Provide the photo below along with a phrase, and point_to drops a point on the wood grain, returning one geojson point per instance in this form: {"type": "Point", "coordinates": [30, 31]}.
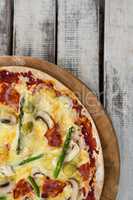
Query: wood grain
{"type": "Point", "coordinates": [104, 126]}
{"type": "Point", "coordinates": [78, 39]}
{"type": "Point", "coordinates": [5, 27]}
{"type": "Point", "coordinates": [119, 84]}
{"type": "Point", "coordinates": [34, 28]}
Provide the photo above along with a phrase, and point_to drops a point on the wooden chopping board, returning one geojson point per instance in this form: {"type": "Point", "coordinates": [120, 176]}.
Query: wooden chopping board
{"type": "Point", "coordinates": [102, 121]}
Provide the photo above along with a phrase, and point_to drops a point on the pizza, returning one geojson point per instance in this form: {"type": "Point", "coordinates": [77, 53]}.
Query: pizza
{"type": "Point", "coordinates": [49, 145]}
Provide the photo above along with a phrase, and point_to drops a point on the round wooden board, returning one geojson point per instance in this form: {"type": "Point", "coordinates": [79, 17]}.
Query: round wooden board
{"type": "Point", "coordinates": [103, 123]}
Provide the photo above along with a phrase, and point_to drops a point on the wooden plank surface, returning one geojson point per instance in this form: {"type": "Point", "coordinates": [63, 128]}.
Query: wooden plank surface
{"type": "Point", "coordinates": [78, 39]}
{"type": "Point", "coordinates": [34, 28]}
{"type": "Point", "coordinates": [119, 84]}
{"type": "Point", "coordinates": [5, 26]}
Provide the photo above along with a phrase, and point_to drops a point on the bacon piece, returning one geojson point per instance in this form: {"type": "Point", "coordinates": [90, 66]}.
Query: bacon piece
{"type": "Point", "coordinates": [87, 132]}
{"type": "Point", "coordinates": [22, 188]}
{"type": "Point", "coordinates": [51, 188]}
{"type": "Point", "coordinates": [85, 171]}
{"type": "Point", "coordinates": [91, 195]}
{"type": "Point", "coordinates": [77, 106]}
{"type": "Point", "coordinates": [9, 96]}
{"type": "Point", "coordinates": [53, 136]}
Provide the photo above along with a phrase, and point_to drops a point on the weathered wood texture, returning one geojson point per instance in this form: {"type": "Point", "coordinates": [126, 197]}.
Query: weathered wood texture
{"type": "Point", "coordinates": [34, 28]}
{"type": "Point", "coordinates": [37, 28]}
{"type": "Point", "coordinates": [119, 84]}
{"type": "Point", "coordinates": [5, 26]}
{"type": "Point", "coordinates": [78, 39]}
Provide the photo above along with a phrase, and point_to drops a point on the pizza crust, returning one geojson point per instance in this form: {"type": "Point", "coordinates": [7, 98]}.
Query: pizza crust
{"type": "Point", "coordinates": [59, 86]}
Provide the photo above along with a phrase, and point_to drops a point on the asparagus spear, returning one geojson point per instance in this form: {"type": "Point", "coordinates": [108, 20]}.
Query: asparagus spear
{"type": "Point", "coordinates": [18, 149]}
{"type": "Point", "coordinates": [3, 198]}
{"type": "Point", "coordinates": [34, 185]}
{"type": "Point", "coordinates": [31, 159]}
{"type": "Point", "coordinates": [63, 153]}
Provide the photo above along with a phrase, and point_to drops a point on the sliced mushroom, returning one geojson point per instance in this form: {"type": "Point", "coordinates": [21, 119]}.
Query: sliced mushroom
{"type": "Point", "coordinates": [75, 189]}
{"type": "Point", "coordinates": [6, 185]}
{"type": "Point", "coordinates": [45, 117]}
{"type": "Point", "coordinates": [8, 119]}
{"type": "Point", "coordinates": [7, 171]}
{"type": "Point", "coordinates": [39, 174]}
{"type": "Point", "coordinates": [72, 152]}
{"type": "Point", "coordinates": [6, 188]}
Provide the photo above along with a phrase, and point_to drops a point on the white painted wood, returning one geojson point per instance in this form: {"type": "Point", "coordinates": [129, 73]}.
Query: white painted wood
{"type": "Point", "coordinates": [5, 26]}
{"type": "Point", "coordinates": [34, 28]}
{"type": "Point", "coordinates": [118, 78]}
{"type": "Point", "coordinates": [78, 39]}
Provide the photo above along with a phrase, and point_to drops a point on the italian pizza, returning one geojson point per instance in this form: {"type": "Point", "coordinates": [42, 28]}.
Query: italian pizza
{"type": "Point", "coordinates": [49, 145]}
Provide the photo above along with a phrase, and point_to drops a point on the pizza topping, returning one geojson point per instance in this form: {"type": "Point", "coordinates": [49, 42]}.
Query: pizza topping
{"type": "Point", "coordinates": [48, 85]}
{"type": "Point", "coordinates": [57, 92]}
{"type": "Point", "coordinates": [6, 187]}
{"type": "Point", "coordinates": [37, 174]}
{"type": "Point", "coordinates": [31, 159]}
{"type": "Point", "coordinates": [8, 77]}
{"type": "Point", "coordinates": [21, 115]}
{"type": "Point", "coordinates": [87, 194]}
{"type": "Point", "coordinates": [7, 170]}
{"type": "Point", "coordinates": [75, 189]}
{"type": "Point", "coordinates": [38, 87]}
{"type": "Point", "coordinates": [72, 151]}
{"type": "Point", "coordinates": [35, 186]}
{"type": "Point", "coordinates": [63, 153]}
{"type": "Point", "coordinates": [27, 127]}
{"type": "Point", "coordinates": [31, 79]}
{"type": "Point", "coordinates": [29, 107]}
{"type": "Point", "coordinates": [85, 171]}
{"type": "Point", "coordinates": [53, 136]}
{"type": "Point", "coordinates": [4, 184]}
{"type": "Point", "coordinates": [13, 77]}
{"type": "Point", "coordinates": [77, 106]}
{"type": "Point", "coordinates": [91, 195]}
{"type": "Point", "coordinates": [51, 188]}
{"type": "Point", "coordinates": [3, 198]}
{"type": "Point", "coordinates": [46, 118]}
{"type": "Point", "coordinates": [69, 169]}
{"type": "Point", "coordinates": [9, 96]}
{"type": "Point", "coordinates": [92, 162]}
{"type": "Point", "coordinates": [22, 188]}
{"type": "Point", "coordinates": [8, 118]}
{"type": "Point", "coordinates": [87, 132]}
